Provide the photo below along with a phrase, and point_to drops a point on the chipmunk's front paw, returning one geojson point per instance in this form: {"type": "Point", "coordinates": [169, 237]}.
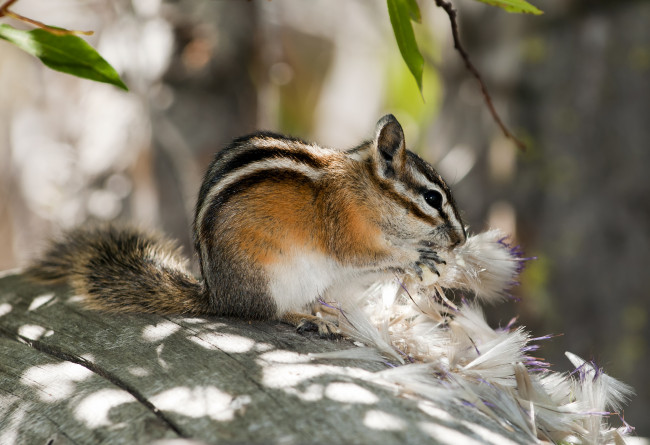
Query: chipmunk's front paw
{"type": "Point", "coordinates": [428, 258]}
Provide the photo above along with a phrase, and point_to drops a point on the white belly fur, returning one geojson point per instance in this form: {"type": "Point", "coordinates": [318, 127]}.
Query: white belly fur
{"type": "Point", "coordinates": [303, 277]}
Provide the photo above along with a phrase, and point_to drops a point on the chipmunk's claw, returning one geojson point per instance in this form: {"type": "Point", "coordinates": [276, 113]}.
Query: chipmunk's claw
{"type": "Point", "coordinates": [430, 256]}
{"type": "Point", "coordinates": [420, 272]}
{"type": "Point", "coordinates": [430, 259]}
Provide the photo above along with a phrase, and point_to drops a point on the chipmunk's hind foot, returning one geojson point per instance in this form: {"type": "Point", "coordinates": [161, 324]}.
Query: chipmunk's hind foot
{"type": "Point", "coordinates": [311, 323]}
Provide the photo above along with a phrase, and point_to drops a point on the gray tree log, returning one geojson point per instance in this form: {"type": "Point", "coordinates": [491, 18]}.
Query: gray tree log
{"type": "Point", "coordinates": [68, 375]}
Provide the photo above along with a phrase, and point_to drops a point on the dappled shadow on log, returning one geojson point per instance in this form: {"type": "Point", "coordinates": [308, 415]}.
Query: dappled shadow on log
{"type": "Point", "coordinates": [78, 376]}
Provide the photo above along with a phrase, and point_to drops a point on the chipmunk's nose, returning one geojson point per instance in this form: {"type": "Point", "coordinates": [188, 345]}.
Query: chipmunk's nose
{"type": "Point", "coordinates": [457, 236]}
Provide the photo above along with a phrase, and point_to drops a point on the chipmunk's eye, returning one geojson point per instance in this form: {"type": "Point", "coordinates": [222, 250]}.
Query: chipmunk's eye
{"type": "Point", "coordinates": [433, 198]}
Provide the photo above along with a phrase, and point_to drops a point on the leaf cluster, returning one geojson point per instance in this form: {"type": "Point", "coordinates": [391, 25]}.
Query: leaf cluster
{"type": "Point", "coordinates": [64, 51]}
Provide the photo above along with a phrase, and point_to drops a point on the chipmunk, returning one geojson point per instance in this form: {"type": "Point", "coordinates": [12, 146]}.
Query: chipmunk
{"type": "Point", "coordinates": [278, 223]}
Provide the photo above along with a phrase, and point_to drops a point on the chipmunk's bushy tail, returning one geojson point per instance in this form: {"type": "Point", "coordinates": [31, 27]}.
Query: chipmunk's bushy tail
{"type": "Point", "coordinates": [123, 269]}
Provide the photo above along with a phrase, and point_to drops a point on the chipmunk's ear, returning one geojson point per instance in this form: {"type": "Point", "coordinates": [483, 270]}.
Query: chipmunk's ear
{"type": "Point", "coordinates": [390, 150]}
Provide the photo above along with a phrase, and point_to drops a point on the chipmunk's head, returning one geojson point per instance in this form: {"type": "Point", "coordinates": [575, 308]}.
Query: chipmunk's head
{"type": "Point", "coordinates": [419, 202]}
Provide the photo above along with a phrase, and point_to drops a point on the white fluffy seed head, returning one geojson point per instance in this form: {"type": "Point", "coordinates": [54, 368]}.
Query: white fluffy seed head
{"type": "Point", "coordinates": [448, 350]}
{"type": "Point", "coordinates": [485, 266]}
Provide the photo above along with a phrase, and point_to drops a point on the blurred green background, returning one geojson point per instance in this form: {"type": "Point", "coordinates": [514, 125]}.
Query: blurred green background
{"type": "Point", "coordinates": [573, 83]}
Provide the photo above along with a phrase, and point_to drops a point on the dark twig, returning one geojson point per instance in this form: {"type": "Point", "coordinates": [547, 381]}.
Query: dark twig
{"type": "Point", "coordinates": [451, 12]}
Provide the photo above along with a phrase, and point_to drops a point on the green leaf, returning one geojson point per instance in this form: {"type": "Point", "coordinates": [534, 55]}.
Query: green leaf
{"type": "Point", "coordinates": [513, 6]}
{"type": "Point", "coordinates": [66, 53]}
{"type": "Point", "coordinates": [401, 12]}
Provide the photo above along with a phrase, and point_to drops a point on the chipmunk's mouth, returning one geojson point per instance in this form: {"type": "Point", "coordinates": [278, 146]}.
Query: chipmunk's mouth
{"type": "Point", "coordinates": [446, 237]}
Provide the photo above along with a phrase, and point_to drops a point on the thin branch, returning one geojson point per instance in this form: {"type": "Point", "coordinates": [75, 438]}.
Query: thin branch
{"type": "Point", "coordinates": [451, 12]}
{"type": "Point", "coordinates": [4, 9]}
{"type": "Point", "coordinates": [5, 12]}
